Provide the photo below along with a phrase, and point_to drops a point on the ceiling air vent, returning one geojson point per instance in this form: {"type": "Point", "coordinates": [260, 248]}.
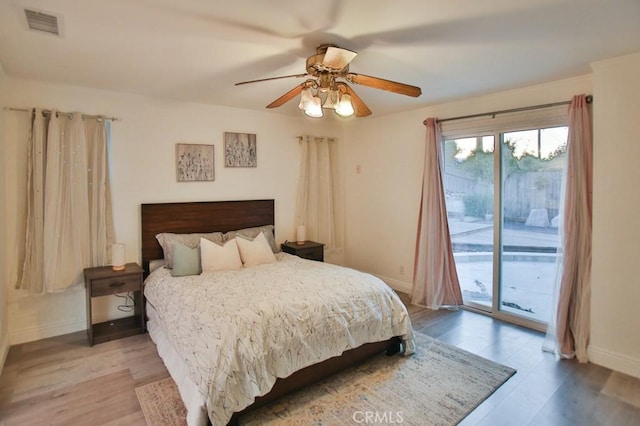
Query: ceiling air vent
{"type": "Point", "coordinates": [39, 21]}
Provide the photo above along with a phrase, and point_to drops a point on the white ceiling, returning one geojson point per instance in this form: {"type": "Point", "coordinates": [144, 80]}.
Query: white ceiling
{"type": "Point", "coordinates": [195, 50]}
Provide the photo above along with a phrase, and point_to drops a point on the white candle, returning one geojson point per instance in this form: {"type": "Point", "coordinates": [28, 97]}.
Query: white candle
{"type": "Point", "coordinates": [118, 257]}
{"type": "Point", "coordinates": [300, 234]}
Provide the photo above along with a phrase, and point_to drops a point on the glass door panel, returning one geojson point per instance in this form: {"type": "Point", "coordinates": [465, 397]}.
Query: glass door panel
{"type": "Point", "coordinates": [469, 190]}
{"type": "Point", "coordinates": [532, 168]}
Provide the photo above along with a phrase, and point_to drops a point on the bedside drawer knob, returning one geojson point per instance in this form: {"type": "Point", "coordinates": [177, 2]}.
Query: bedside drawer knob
{"type": "Point", "coordinates": [114, 285]}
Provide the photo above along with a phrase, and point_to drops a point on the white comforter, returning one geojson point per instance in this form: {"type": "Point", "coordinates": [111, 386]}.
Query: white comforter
{"type": "Point", "coordinates": [238, 331]}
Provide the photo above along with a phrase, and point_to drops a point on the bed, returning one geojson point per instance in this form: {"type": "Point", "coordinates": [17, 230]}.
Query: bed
{"type": "Point", "coordinates": [277, 349]}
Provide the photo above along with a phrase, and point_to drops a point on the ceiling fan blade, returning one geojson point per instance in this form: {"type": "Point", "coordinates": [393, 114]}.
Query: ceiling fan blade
{"type": "Point", "coordinates": [271, 78]}
{"type": "Point", "coordinates": [379, 83]}
{"type": "Point", "coordinates": [337, 58]}
{"type": "Point", "coordinates": [361, 110]}
{"type": "Point", "coordinates": [287, 96]}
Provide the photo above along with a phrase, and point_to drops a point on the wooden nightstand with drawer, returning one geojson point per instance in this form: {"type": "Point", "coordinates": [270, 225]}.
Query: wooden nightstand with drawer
{"type": "Point", "coordinates": [309, 250]}
{"type": "Point", "coordinates": [104, 281]}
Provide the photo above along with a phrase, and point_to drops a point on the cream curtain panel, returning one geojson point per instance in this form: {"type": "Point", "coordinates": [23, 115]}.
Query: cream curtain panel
{"type": "Point", "coordinates": [569, 328]}
{"type": "Point", "coordinates": [319, 200]}
{"type": "Point", "coordinates": [69, 220]}
{"type": "Point", "coordinates": [435, 279]}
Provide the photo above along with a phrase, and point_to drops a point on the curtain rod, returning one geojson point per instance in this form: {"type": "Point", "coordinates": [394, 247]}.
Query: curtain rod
{"type": "Point", "coordinates": [46, 112]}
{"type": "Point", "coordinates": [301, 138]}
{"type": "Point", "coordinates": [494, 113]}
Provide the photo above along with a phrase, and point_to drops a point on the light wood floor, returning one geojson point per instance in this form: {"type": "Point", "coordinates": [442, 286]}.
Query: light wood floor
{"type": "Point", "coordinates": [63, 381]}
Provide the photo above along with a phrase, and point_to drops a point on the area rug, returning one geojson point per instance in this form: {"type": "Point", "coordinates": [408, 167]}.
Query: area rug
{"type": "Point", "coordinates": [161, 403]}
{"type": "Point", "coordinates": [438, 385]}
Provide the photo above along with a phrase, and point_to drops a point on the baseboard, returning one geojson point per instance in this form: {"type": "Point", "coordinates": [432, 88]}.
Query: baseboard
{"type": "Point", "coordinates": [397, 285]}
{"type": "Point", "coordinates": [4, 350]}
{"type": "Point", "coordinates": [615, 361]}
{"type": "Point", "coordinates": [42, 332]}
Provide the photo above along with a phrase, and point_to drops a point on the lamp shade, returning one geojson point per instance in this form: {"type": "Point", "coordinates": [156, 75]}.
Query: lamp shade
{"type": "Point", "coordinates": [332, 99]}
{"type": "Point", "coordinates": [305, 98]}
{"type": "Point", "coordinates": [301, 236]}
{"type": "Point", "coordinates": [314, 108]}
{"type": "Point", "coordinates": [344, 107]}
{"type": "Point", "coordinates": [118, 257]}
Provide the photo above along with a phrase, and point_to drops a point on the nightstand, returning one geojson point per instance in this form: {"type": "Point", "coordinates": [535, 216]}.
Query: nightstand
{"type": "Point", "coordinates": [309, 250]}
{"type": "Point", "coordinates": [104, 281]}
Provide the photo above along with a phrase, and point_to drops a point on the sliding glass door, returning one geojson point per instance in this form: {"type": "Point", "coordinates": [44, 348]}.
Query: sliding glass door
{"type": "Point", "coordinates": [503, 198]}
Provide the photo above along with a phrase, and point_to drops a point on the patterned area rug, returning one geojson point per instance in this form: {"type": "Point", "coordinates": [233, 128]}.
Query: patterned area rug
{"type": "Point", "coordinates": [161, 403]}
{"type": "Point", "coordinates": [438, 385]}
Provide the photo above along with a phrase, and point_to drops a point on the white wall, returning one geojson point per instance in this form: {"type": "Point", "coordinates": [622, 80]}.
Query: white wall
{"type": "Point", "coordinates": [4, 331]}
{"type": "Point", "coordinates": [383, 178]}
{"type": "Point", "coordinates": [382, 202]}
{"type": "Point", "coordinates": [143, 171]}
{"type": "Point", "coordinates": [615, 324]}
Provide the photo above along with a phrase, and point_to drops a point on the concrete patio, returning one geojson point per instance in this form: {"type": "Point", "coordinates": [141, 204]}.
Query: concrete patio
{"type": "Point", "coordinates": [528, 267]}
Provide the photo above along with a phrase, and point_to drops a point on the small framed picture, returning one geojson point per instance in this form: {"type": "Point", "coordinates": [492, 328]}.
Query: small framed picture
{"type": "Point", "coordinates": [194, 163]}
{"type": "Point", "coordinates": [240, 150]}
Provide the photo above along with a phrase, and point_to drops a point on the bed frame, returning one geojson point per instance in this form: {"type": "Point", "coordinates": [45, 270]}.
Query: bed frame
{"type": "Point", "coordinates": [224, 216]}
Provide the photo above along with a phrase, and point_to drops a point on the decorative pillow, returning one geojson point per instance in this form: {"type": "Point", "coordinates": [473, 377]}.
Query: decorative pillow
{"type": "Point", "coordinates": [215, 257]}
{"type": "Point", "coordinates": [167, 240]}
{"type": "Point", "coordinates": [251, 233]}
{"type": "Point", "coordinates": [256, 252]}
{"type": "Point", "coordinates": [186, 260]}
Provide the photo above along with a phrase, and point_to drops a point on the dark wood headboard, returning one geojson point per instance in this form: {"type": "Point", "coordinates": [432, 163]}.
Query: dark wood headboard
{"type": "Point", "coordinates": [206, 216]}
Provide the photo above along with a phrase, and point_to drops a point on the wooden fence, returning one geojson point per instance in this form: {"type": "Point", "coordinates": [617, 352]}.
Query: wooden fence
{"type": "Point", "coordinates": [522, 192]}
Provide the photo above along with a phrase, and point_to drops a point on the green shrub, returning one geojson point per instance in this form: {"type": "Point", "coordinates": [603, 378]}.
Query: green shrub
{"type": "Point", "coordinates": [477, 205]}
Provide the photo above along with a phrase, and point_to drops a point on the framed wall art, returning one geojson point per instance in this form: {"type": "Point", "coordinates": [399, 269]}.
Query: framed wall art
{"type": "Point", "coordinates": [194, 163]}
{"type": "Point", "coordinates": [240, 150]}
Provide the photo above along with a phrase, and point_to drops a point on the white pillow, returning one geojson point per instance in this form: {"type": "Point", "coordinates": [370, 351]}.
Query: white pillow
{"type": "Point", "coordinates": [256, 252]}
{"type": "Point", "coordinates": [215, 257]}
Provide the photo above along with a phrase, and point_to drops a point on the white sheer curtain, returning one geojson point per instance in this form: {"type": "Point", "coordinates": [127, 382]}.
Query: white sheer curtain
{"type": "Point", "coordinates": [69, 219]}
{"type": "Point", "coordinates": [569, 326]}
{"type": "Point", "coordinates": [319, 201]}
{"type": "Point", "coordinates": [435, 279]}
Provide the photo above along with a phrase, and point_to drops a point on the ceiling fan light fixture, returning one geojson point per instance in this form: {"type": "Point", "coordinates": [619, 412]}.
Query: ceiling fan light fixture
{"type": "Point", "coordinates": [345, 107]}
{"type": "Point", "coordinates": [314, 107]}
{"type": "Point", "coordinates": [324, 69]}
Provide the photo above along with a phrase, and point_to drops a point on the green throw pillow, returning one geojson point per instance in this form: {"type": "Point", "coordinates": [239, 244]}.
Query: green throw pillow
{"type": "Point", "coordinates": [186, 260]}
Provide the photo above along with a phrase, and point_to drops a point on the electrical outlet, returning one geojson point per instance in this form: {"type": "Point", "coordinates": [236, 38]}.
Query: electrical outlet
{"type": "Point", "coordinates": [358, 169]}
{"type": "Point", "coordinates": [401, 269]}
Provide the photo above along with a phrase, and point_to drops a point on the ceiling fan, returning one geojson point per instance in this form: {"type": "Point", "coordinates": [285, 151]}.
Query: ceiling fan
{"type": "Point", "coordinates": [325, 91]}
